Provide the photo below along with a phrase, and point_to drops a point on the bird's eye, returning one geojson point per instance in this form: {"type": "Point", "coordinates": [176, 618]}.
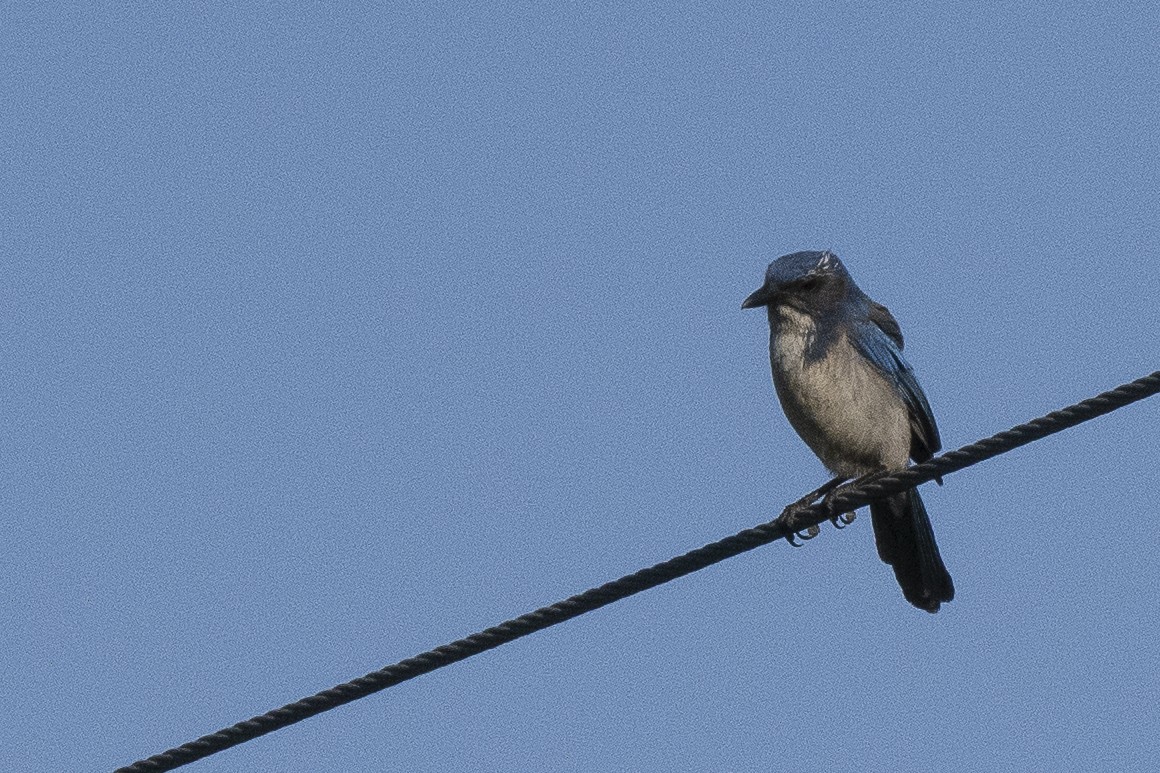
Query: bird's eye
{"type": "Point", "coordinates": [810, 283]}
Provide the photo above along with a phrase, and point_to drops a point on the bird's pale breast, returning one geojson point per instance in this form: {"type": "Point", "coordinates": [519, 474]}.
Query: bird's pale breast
{"type": "Point", "coordinates": [840, 405]}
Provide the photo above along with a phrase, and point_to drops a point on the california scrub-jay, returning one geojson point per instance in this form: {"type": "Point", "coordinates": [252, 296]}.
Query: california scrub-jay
{"type": "Point", "coordinates": [839, 373]}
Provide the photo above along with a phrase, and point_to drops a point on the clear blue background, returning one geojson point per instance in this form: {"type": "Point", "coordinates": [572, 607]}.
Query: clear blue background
{"type": "Point", "coordinates": [331, 335]}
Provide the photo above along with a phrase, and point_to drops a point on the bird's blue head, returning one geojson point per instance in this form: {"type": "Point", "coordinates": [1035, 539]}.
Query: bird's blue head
{"type": "Point", "coordinates": [805, 280]}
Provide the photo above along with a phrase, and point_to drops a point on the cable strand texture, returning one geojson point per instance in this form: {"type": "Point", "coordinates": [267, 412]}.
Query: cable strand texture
{"type": "Point", "coordinates": [846, 499]}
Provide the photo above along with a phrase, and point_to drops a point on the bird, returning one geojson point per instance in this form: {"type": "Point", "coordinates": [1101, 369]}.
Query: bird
{"type": "Point", "coordinates": [841, 379]}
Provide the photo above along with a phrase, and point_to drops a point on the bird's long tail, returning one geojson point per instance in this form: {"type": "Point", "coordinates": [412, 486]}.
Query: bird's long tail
{"type": "Point", "coordinates": [905, 540]}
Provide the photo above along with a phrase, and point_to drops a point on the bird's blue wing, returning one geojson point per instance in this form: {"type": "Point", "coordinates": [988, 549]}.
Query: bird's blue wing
{"type": "Point", "coordinates": [881, 316]}
{"type": "Point", "coordinates": [880, 348]}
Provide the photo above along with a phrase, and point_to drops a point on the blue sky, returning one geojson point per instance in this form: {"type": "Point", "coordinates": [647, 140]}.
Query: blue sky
{"type": "Point", "coordinates": [333, 335]}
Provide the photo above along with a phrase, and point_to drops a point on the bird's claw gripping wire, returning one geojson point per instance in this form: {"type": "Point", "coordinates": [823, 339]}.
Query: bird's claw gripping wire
{"type": "Point", "coordinates": [805, 535]}
{"type": "Point", "coordinates": [789, 517]}
{"type": "Point", "coordinates": [842, 520]}
{"type": "Point", "coordinates": [792, 513]}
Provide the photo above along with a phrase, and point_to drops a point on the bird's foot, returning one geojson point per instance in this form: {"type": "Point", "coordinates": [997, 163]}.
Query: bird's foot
{"type": "Point", "coordinates": [792, 514]}
{"type": "Point", "coordinates": [789, 517]}
{"type": "Point", "coordinates": [842, 520]}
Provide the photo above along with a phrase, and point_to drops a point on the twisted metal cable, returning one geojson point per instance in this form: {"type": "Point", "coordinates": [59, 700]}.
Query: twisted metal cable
{"type": "Point", "coordinates": [846, 498]}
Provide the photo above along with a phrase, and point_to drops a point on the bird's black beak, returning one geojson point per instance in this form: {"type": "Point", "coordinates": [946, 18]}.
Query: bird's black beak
{"type": "Point", "coordinates": [761, 297]}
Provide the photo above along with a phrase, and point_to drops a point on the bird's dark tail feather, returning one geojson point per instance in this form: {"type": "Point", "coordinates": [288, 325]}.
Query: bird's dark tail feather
{"type": "Point", "coordinates": [905, 540]}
